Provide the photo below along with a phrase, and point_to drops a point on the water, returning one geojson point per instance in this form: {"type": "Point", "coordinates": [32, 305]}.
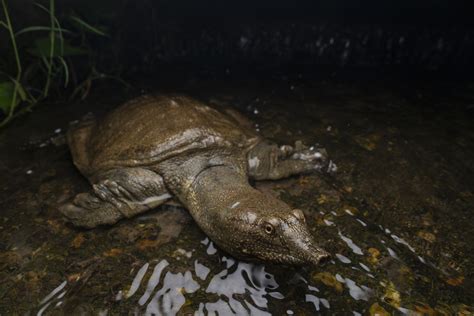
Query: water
{"type": "Point", "coordinates": [396, 216]}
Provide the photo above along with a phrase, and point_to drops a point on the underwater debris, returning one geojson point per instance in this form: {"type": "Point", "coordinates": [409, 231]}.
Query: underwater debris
{"type": "Point", "coordinates": [425, 309]}
{"type": "Point", "coordinates": [114, 252]}
{"type": "Point", "coordinates": [429, 237]}
{"type": "Point", "coordinates": [367, 142]}
{"type": "Point", "coordinates": [455, 281]}
{"type": "Point", "coordinates": [374, 255]}
{"type": "Point", "coordinates": [78, 241]}
{"type": "Point", "coordinates": [391, 296]}
{"type": "Point", "coordinates": [329, 280]}
{"type": "Point", "coordinates": [377, 310]}
{"type": "Point", "coordinates": [144, 244]}
{"type": "Point", "coordinates": [322, 199]}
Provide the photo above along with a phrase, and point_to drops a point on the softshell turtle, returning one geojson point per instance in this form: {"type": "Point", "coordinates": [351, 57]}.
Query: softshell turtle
{"type": "Point", "coordinates": [155, 147]}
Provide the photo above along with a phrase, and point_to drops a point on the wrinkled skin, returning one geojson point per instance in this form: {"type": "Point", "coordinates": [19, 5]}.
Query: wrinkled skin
{"type": "Point", "coordinates": [258, 226]}
{"type": "Point", "coordinates": [153, 148]}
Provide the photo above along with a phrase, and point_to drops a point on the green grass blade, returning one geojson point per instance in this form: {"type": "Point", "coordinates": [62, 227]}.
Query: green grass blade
{"type": "Point", "coordinates": [56, 22]}
{"type": "Point", "coordinates": [40, 28]}
{"type": "Point", "coordinates": [39, 5]}
{"type": "Point", "coordinates": [45, 62]}
{"type": "Point", "coordinates": [21, 90]}
{"type": "Point", "coordinates": [87, 26]}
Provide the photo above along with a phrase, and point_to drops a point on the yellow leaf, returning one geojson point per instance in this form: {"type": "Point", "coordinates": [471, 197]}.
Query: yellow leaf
{"type": "Point", "coordinates": [374, 255]}
{"type": "Point", "coordinates": [425, 309]}
{"type": "Point", "coordinates": [322, 199]}
{"type": "Point", "coordinates": [465, 310]}
{"type": "Point", "coordinates": [114, 252]}
{"type": "Point", "coordinates": [455, 281]}
{"type": "Point", "coordinates": [391, 296]}
{"type": "Point", "coordinates": [377, 310]}
{"type": "Point", "coordinates": [329, 280]}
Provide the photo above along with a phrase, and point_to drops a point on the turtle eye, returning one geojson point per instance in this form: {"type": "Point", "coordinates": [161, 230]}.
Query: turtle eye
{"type": "Point", "coordinates": [269, 228]}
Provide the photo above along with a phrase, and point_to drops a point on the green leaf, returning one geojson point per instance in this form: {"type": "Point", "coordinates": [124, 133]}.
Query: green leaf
{"type": "Point", "coordinates": [6, 96]}
{"type": "Point", "coordinates": [42, 48]}
{"type": "Point", "coordinates": [87, 27]}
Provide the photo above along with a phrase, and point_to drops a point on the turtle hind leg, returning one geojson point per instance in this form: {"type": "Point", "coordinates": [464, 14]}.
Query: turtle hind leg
{"type": "Point", "coordinates": [117, 194]}
{"type": "Point", "coordinates": [268, 161]}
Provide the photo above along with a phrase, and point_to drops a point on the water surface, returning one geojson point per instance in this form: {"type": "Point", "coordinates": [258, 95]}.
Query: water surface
{"type": "Point", "coordinates": [397, 216]}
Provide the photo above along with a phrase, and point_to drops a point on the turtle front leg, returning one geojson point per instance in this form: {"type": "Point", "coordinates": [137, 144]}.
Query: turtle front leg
{"type": "Point", "coordinates": [116, 194]}
{"type": "Point", "coordinates": [268, 161]}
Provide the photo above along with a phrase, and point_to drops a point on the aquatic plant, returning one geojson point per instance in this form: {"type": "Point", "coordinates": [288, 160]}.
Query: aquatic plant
{"type": "Point", "coordinates": [49, 58]}
{"type": "Point", "coordinates": [11, 90]}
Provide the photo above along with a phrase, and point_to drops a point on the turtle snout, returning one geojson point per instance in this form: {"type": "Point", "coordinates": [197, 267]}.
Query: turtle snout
{"type": "Point", "coordinates": [319, 257]}
{"type": "Point", "coordinates": [305, 249]}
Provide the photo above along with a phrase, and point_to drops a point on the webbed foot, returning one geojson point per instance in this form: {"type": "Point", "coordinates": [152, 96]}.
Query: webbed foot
{"type": "Point", "coordinates": [267, 161]}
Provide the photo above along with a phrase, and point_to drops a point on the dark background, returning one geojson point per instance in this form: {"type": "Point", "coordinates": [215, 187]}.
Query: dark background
{"type": "Point", "coordinates": [408, 36]}
{"type": "Point", "coordinates": [433, 38]}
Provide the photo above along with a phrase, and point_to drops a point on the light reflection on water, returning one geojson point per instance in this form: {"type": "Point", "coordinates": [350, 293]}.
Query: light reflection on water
{"type": "Point", "coordinates": [240, 288]}
{"type": "Point", "coordinates": [170, 298]}
{"type": "Point", "coordinates": [53, 297]}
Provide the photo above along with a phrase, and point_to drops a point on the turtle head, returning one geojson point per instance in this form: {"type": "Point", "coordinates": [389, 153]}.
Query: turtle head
{"type": "Point", "coordinates": [249, 224]}
{"type": "Point", "coordinates": [267, 229]}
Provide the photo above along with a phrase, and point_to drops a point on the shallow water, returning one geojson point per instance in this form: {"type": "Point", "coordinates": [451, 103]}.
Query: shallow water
{"type": "Point", "coordinates": [397, 215]}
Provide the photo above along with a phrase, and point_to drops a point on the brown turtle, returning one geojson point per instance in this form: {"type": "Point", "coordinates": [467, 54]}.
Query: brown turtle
{"type": "Point", "coordinates": [154, 148]}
